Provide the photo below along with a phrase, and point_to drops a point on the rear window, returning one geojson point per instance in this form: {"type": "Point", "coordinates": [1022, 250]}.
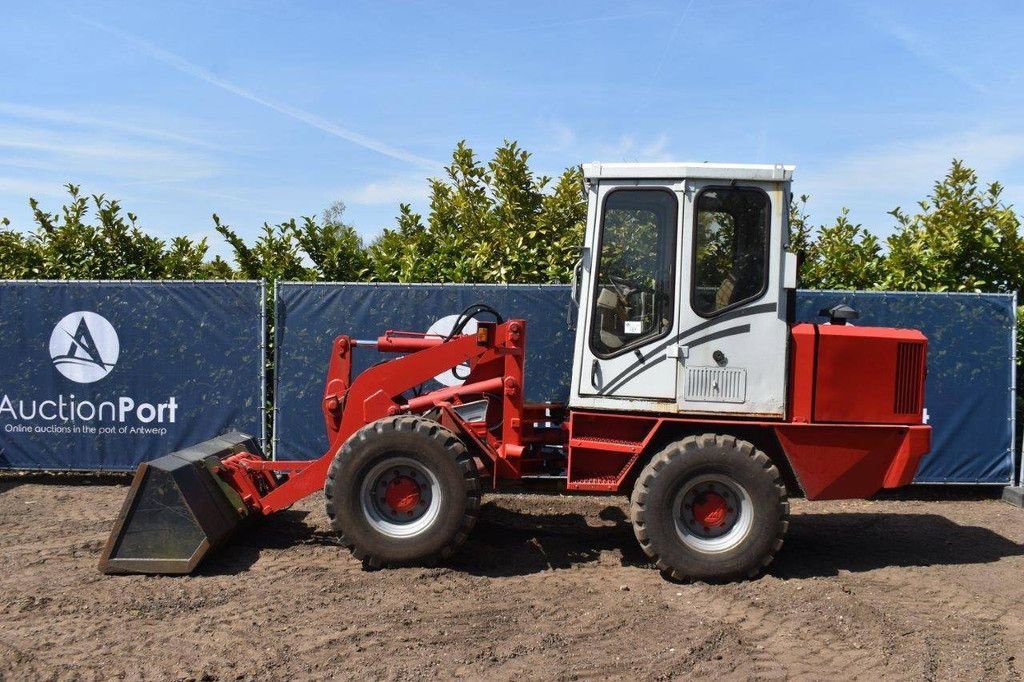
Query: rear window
{"type": "Point", "coordinates": [730, 248]}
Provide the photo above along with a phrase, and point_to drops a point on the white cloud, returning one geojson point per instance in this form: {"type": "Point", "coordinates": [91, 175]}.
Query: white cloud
{"type": "Point", "coordinates": [78, 119]}
{"type": "Point", "coordinates": [628, 148]}
{"type": "Point", "coordinates": [395, 190]}
{"type": "Point", "coordinates": [1013, 194]}
{"type": "Point", "coordinates": [888, 168]}
{"type": "Point", "coordinates": [77, 154]}
{"type": "Point", "coordinates": [879, 178]}
{"type": "Point", "coordinates": [23, 189]}
{"type": "Point", "coordinates": [556, 136]}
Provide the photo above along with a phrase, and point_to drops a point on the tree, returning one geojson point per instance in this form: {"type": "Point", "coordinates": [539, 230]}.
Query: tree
{"type": "Point", "coordinates": [334, 247]}
{"type": "Point", "coordinates": [842, 256]}
{"type": "Point", "coordinates": [493, 223]}
{"type": "Point", "coordinates": [20, 256]}
{"type": "Point", "coordinates": [402, 254]}
{"type": "Point", "coordinates": [560, 225]}
{"type": "Point", "coordinates": [273, 256]}
{"type": "Point", "coordinates": [65, 245]}
{"type": "Point", "coordinates": [963, 239]}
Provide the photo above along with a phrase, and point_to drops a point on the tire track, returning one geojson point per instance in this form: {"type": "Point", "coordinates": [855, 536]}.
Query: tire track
{"type": "Point", "coordinates": [546, 587]}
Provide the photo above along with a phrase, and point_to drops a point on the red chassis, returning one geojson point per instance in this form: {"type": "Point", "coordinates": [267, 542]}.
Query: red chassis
{"type": "Point", "coordinates": [829, 450]}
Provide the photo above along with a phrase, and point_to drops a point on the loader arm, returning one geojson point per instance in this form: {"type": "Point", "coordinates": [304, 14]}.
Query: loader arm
{"type": "Point", "coordinates": [377, 393]}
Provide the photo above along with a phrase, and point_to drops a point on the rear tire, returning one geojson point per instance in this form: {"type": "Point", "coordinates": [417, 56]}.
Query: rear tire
{"type": "Point", "coordinates": [402, 490]}
{"type": "Point", "coordinates": [711, 508]}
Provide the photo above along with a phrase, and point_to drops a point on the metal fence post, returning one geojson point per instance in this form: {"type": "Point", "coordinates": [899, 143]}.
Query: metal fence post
{"type": "Point", "coordinates": [1018, 460]}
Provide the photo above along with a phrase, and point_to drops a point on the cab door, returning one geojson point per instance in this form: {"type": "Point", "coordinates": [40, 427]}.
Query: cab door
{"type": "Point", "coordinates": [733, 334]}
{"type": "Point", "coordinates": [630, 307]}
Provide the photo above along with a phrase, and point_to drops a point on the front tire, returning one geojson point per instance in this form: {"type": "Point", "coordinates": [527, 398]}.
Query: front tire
{"type": "Point", "coordinates": [402, 490]}
{"type": "Point", "coordinates": [711, 508]}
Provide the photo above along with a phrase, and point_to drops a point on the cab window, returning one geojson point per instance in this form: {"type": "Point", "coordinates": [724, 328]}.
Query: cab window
{"type": "Point", "coordinates": [635, 270]}
{"type": "Point", "coordinates": [730, 248]}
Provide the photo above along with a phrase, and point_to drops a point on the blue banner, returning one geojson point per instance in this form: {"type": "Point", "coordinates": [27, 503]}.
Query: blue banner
{"type": "Point", "coordinates": [105, 375]}
{"type": "Point", "coordinates": [970, 356]}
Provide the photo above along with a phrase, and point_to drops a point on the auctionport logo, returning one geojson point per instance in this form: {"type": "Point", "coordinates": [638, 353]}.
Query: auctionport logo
{"type": "Point", "coordinates": [84, 347]}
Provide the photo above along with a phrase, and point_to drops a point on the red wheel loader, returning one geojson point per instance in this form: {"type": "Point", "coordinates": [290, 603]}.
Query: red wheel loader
{"type": "Point", "coordinates": [693, 392]}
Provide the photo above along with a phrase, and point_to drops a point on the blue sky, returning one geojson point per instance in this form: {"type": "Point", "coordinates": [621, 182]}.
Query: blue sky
{"type": "Point", "coordinates": [265, 110]}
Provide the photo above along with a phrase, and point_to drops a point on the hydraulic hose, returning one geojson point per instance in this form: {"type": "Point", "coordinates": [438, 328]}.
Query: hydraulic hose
{"type": "Point", "coordinates": [463, 319]}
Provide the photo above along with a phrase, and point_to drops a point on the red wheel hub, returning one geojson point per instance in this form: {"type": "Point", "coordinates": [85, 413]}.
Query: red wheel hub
{"type": "Point", "coordinates": [402, 494]}
{"type": "Point", "coordinates": [710, 510]}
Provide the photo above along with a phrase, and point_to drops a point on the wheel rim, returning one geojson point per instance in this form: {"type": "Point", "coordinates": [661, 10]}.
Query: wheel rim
{"type": "Point", "coordinates": [713, 513]}
{"type": "Point", "coordinates": [400, 497]}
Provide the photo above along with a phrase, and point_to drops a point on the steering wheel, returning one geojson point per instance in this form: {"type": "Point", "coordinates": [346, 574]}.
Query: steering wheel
{"type": "Point", "coordinates": [624, 287]}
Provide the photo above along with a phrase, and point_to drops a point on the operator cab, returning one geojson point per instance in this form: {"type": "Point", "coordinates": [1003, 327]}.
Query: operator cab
{"type": "Point", "coordinates": [682, 289]}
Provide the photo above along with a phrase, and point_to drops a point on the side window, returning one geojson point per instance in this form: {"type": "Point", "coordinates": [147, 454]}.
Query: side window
{"type": "Point", "coordinates": [635, 270]}
{"type": "Point", "coordinates": [731, 247]}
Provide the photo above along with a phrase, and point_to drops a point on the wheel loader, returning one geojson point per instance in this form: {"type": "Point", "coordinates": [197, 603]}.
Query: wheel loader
{"type": "Point", "coordinates": [693, 392]}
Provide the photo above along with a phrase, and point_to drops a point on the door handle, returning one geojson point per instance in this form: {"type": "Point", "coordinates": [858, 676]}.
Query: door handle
{"type": "Point", "coordinates": [595, 369]}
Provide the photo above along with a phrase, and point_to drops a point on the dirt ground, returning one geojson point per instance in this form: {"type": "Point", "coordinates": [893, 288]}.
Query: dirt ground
{"type": "Point", "coordinates": [546, 588]}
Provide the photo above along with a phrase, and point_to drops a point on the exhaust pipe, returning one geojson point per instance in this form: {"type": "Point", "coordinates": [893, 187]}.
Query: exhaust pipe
{"type": "Point", "coordinates": [177, 510]}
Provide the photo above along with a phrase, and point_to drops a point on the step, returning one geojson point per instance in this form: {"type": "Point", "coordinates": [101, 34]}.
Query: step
{"type": "Point", "coordinates": [594, 484]}
{"type": "Point", "coordinates": [629, 447]}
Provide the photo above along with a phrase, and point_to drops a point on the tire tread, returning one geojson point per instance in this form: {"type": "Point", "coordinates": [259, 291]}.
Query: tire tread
{"type": "Point", "coordinates": [674, 451]}
{"type": "Point", "coordinates": [431, 429]}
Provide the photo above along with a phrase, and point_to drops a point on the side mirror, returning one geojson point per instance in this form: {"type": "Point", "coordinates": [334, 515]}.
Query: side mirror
{"type": "Point", "coordinates": [576, 284]}
{"type": "Point", "coordinates": [577, 273]}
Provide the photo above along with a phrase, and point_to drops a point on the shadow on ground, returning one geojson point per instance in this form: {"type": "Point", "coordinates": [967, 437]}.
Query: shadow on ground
{"type": "Point", "coordinates": [506, 543]}
{"type": "Point", "coordinates": [818, 545]}
{"type": "Point", "coordinates": [282, 530]}
{"type": "Point", "coordinates": [824, 544]}
{"type": "Point", "coordinates": [503, 543]}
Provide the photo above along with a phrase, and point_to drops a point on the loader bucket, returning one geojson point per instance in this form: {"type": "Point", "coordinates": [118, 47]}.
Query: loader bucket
{"type": "Point", "coordinates": [177, 510]}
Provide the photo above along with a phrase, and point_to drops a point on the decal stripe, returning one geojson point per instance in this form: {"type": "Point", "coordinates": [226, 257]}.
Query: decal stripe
{"type": "Point", "coordinates": [622, 378]}
{"type": "Point", "coordinates": [714, 336]}
{"type": "Point", "coordinates": [628, 373]}
{"type": "Point", "coordinates": [731, 315]}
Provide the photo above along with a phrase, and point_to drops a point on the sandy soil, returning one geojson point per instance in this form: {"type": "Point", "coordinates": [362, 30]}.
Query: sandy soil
{"type": "Point", "coordinates": [547, 588]}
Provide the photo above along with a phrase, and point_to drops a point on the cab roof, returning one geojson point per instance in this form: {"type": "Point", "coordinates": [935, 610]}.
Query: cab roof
{"type": "Point", "coordinates": [685, 169]}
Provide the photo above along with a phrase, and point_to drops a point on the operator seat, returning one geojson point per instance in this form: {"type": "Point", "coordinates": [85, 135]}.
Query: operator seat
{"type": "Point", "coordinates": [612, 312]}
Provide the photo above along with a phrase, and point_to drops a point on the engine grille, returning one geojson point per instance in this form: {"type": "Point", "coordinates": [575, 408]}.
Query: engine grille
{"type": "Point", "coordinates": [716, 384]}
{"type": "Point", "coordinates": [909, 372]}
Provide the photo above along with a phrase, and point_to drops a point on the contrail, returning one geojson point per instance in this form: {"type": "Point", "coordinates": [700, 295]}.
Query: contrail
{"type": "Point", "coordinates": [311, 119]}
